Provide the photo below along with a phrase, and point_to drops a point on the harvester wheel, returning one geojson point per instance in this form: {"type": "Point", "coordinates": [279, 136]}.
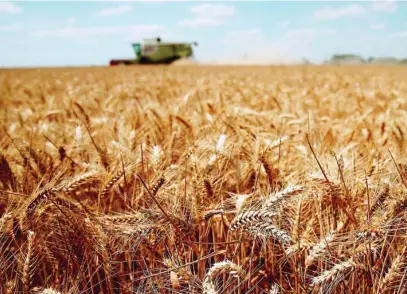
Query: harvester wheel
{"type": "Point", "coordinates": [173, 59]}
{"type": "Point", "coordinates": [144, 60]}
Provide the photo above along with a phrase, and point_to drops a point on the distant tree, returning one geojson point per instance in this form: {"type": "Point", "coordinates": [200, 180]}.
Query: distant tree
{"type": "Point", "coordinates": [305, 61]}
{"type": "Point", "coordinates": [346, 58]}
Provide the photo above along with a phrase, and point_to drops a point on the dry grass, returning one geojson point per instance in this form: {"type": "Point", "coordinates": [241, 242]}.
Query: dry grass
{"type": "Point", "coordinates": [203, 180]}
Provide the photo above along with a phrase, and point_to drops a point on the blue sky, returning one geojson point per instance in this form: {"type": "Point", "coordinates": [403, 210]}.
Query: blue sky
{"type": "Point", "coordinates": [61, 33]}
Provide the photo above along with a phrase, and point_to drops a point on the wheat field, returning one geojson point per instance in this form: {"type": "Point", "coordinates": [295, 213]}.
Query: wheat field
{"type": "Point", "coordinates": [203, 179]}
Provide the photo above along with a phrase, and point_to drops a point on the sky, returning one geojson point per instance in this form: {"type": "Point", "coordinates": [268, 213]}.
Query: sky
{"type": "Point", "coordinates": [73, 33]}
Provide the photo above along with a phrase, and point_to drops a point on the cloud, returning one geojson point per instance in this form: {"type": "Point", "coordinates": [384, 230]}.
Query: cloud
{"type": "Point", "coordinates": [378, 26]}
{"type": "Point", "coordinates": [240, 37]}
{"type": "Point", "coordinates": [328, 13]}
{"type": "Point", "coordinates": [213, 10]}
{"type": "Point", "coordinates": [8, 7]}
{"type": "Point", "coordinates": [86, 42]}
{"type": "Point", "coordinates": [72, 20]}
{"type": "Point", "coordinates": [141, 30]}
{"type": "Point", "coordinates": [11, 28]}
{"type": "Point", "coordinates": [399, 35]}
{"type": "Point", "coordinates": [252, 46]}
{"type": "Point", "coordinates": [118, 10]}
{"type": "Point", "coordinates": [308, 34]}
{"type": "Point", "coordinates": [269, 53]}
{"type": "Point", "coordinates": [387, 6]}
{"type": "Point", "coordinates": [208, 15]}
{"type": "Point", "coordinates": [283, 24]}
{"type": "Point", "coordinates": [200, 22]}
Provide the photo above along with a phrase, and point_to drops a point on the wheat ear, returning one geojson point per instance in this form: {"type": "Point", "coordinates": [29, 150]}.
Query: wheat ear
{"type": "Point", "coordinates": [209, 285]}
{"type": "Point", "coordinates": [337, 273]}
{"type": "Point", "coordinates": [27, 266]}
{"type": "Point", "coordinates": [251, 216]}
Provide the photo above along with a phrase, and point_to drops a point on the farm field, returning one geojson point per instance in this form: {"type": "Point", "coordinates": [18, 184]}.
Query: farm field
{"type": "Point", "coordinates": [203, 179]}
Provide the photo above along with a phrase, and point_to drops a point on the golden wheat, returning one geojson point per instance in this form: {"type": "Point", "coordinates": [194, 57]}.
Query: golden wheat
{"type": "Point", "coordinates": [203, 180]}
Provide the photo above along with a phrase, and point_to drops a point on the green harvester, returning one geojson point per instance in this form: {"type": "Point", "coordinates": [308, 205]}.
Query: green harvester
{"type": "Point", "coordinates": [154, 51]}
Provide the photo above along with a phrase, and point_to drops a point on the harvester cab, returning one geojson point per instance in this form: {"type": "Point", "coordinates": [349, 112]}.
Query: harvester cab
{"type": "Point", "coordinates": [136, 48]}
{"type": "Point", "coordinates": [154, 51]}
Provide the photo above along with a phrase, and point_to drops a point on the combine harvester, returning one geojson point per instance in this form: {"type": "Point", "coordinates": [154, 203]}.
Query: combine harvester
{"type": "Point", "coordinates": [153, 51]}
